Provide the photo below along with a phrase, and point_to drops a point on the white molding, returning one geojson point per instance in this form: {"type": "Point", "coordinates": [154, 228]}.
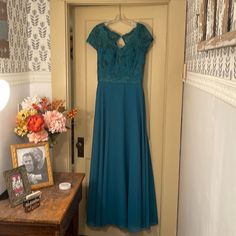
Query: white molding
{"type": "Point", "coordinates": [39, 77]}
{"type": "Point", "coordinates": [114, 2]}
{"type": "Point", "coordinates": [223, 89]}
{"type": "Point", "coordinates": [16, 78]}
{"type": "Point", "coordinates": [26, 78]}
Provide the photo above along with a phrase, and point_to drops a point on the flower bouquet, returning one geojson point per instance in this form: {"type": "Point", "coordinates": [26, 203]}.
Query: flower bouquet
{"type": "Point", "coordinates": [42, 120]}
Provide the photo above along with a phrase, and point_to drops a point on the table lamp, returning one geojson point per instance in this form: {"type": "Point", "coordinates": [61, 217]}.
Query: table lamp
{"type": "Point", "coordinates": [4, 93]}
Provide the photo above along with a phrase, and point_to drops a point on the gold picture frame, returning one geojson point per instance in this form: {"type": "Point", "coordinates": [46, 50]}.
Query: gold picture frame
{"type": "Point", "coordinates": [36, 158]}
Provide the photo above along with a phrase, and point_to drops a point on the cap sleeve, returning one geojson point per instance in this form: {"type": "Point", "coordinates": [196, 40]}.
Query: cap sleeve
{"type": "Point", "coordinates": [146, 38]}
{"type": "Point", "coordinates": [93, 38]}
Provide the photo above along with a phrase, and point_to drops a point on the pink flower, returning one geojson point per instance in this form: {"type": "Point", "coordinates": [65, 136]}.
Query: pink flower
{"type": "Point", "coordinates": [55, 121]}
{"type": "Point", "coordinates": [38, 136]}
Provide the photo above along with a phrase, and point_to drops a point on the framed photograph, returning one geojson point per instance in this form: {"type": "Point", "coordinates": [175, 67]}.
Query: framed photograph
{"type": "Point", "coordinates": [36, 158]}
{"type": "Point", "coordinates": [17, 184]}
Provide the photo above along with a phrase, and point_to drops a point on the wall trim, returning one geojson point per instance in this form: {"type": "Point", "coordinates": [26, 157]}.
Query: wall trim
{"type": "Point", "coordinates": [223, 89]}
{"type": "Point", "coordinates": [114, 2]}
{"type": "Point", "coordinates": [16, 78]}
{"type": "Point", "coordinates": [26, 77]}
{"type": "Point", "coordinates": [39, 77]}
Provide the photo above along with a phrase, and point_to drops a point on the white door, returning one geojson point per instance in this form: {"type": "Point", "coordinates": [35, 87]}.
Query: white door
{"type": "Point", "coordinates": [85, 83]}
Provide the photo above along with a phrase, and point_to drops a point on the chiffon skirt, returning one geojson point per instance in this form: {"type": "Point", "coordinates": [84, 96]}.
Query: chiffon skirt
{"type": "Point", "coordinates": [121, 186]}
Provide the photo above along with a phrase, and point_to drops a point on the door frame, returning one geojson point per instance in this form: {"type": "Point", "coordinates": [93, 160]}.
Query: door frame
{"type": "Point", "coordinates": [172, 98]}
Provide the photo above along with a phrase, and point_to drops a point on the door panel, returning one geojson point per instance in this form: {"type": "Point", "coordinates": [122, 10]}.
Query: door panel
{"type": "Point", "coordinates": [85, 83]}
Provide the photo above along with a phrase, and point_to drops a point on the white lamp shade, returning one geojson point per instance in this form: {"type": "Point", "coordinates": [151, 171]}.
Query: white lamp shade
{"type": "Point", "coordinates": [4, 93]}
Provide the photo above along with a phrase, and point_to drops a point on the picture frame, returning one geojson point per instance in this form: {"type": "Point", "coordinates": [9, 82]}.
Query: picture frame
{"type": "Point", "coordinates": [216, 21]}
{"type": "Point", "coordinates": [36, 158]}
{"type": "Point", "coordinates": [222, 16]}
{"type": "Point", "coordinates": [210, 27]}
{"type": "Point", "coordinates": [232, 14]}
{"type": "Point", "coordinates": [17, 184]}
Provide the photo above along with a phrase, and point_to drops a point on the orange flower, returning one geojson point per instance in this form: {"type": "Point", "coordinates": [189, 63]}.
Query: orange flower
{"type": "Point", "coordinates": [71, 114]}
{"type": "Point", "coordinates": [35, 123]}
{"type": "Point", "coordinates": [58, 105]}
{"type": "Point", "coordinates": [36, 107]}
{"type": "Point", "coordinates": [45, 104]}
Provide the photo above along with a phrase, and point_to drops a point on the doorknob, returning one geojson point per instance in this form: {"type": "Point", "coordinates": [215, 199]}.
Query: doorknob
{"type": "Point", "coordinates": [80, 147]}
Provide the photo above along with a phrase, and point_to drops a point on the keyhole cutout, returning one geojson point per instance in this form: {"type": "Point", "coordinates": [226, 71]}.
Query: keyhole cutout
{"type": "Point", "coordinates": [120, 43]}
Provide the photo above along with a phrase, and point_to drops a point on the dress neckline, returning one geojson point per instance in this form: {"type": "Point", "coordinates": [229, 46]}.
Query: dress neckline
{"type": "Point", "coordinates": [123, 36]}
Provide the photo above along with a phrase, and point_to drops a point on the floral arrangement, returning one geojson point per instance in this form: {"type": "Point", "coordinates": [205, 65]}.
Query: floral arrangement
{"type": "Point", "coordinates": [42, 120]}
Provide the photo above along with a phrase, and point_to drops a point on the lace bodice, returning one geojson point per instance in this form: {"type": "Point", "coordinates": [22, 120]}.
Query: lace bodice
{"type": "Point", "coordinates": [120, 64]}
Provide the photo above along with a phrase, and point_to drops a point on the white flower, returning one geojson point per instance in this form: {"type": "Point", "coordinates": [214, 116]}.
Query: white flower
{"type": "Point", "coordinates": [27, 103]}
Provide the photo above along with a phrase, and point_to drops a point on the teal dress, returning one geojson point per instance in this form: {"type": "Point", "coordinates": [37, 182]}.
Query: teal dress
{"type": "Point", "coordinates": [121, 186]}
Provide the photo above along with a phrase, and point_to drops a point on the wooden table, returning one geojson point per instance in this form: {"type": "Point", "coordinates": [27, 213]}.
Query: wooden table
{"type": "Point", "coordinates": [57, 214]}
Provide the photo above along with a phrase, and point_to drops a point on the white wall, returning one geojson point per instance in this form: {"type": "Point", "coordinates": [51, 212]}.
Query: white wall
{"type": "Point", "coordinates": [207, 203]}
{"type": "Point", "coordinates": [40, 84]}
{"type": "Point", "coordinates": [207, 194]}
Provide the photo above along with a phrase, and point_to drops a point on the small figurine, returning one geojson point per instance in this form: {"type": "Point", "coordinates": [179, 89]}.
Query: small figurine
{"type": "Point", "coordinates": [32, 201]}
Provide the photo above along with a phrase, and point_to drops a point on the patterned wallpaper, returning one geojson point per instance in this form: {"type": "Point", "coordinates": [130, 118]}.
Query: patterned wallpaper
{"type": "Point", "coordinates": [29, 37]}
{"type": "Point", "coordinates": [39, 35]}
{"type": "Point", "coordinates": [17, 19]}
{"type": "Point", "coordinates": [219, 62]}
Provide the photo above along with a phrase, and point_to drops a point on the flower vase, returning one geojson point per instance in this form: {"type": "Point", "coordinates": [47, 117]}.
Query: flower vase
{"type": "Point", "coordinates": [51, 156]}
{"type": "Point", "coordinates": [52, 142]}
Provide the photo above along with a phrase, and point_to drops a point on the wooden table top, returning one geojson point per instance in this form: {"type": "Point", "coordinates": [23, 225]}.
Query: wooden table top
{"type": "Point", "coordinates": [53, 205]}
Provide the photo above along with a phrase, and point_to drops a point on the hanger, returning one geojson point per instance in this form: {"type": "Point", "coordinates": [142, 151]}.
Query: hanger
{"type": "Point", "coordinates": [120, 18]}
